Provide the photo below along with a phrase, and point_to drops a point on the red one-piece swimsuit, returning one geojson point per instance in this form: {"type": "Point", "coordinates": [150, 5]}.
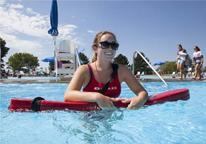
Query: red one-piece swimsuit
{"type": "Point", "coordinates": [113, 90]}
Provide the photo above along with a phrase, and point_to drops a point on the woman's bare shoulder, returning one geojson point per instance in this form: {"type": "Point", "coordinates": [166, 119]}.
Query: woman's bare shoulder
{"type": "Point", "coordinates": [123, 72]}
{"type": "Point", "coordinates": [122, 67]}
{"type": "Point", "coordinates": [80, 74]}
{"type": "Point", "coordinates": [83, 69]}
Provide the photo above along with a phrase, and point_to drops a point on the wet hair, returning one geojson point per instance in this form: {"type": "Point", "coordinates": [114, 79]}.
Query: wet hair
{"type": "Point", "coordinates": [97, 39]}
{"type": "Point", "coordinates": [198, 49]}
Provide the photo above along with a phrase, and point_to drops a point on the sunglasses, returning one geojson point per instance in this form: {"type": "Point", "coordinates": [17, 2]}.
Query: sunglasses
{"type": "Point", "coordinates": [106, 44]}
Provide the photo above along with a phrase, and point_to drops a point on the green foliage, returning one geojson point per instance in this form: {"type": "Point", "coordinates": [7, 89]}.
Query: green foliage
{"type": "Point", "coordinates": [51, 65]}
{"type": "Point", "coordinates": [4, 50]}
{"type": "Point", "coordinates": [204, 69]}
{"type": "Point", "coordinates": [19, 60]}
{"type": "Point", "coordinates": [141, 65]}
{"type": "Point", "coordinates": [83, 58]}
{"type": "Point", "coordinates": [190, 60]}
{"type": "Point", "coordinates": [168, 67]}
{"type": "Point", "coordinates": [121, 59]}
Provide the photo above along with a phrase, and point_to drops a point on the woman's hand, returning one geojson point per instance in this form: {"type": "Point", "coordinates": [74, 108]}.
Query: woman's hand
{"type": "Point", "coordinates": [134, 103]}
{"type": "Point", "coordinates": [104, 101]}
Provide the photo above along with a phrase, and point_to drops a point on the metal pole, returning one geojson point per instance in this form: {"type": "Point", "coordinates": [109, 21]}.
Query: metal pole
{"type": "Point", "coordinates": [77, 55]}
{"type": "Point", "coordinates": [0, 62]}
{"type": "Point", "coordinates": [55, 58]}
{"type": "Point", "coordinates": [149, 65]}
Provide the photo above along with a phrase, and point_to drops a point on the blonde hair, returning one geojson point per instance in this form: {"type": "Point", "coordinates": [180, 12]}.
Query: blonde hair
{"type": "Point", "coordinates": [97, 39]}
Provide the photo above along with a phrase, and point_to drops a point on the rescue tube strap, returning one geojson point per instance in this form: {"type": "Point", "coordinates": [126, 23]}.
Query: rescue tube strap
{"type": "Point", "coordinates": [35, 105]}
{"type": "Point", "coordinates": [104, 89]}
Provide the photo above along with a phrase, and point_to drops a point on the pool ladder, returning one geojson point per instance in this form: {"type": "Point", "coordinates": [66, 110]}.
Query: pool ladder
{"type": "Point", "coordinates": [149, 65]}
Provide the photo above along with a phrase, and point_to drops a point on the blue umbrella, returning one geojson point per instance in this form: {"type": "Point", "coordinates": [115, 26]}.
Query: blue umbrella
{"type": "Point", "coordinates": [54, 19]}
{"type": "Point", "coordinates": [48, 59]}
{"type": "Point", "coordinates": [54, 24]}
{"type": "Point", "coordinates": [81, 51]}
{"type": "Point", "coordinates": [24, 68]}
{"type": "Point", "coordinates": [158, 63]}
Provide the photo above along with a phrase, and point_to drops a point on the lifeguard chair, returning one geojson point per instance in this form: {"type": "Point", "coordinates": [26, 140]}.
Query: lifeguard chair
{"type": "Point", "coordinates": [67, 59]}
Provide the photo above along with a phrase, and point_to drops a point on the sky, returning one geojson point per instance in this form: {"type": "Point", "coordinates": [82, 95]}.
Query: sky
{"type": "Point", "coordinates": [152, 27]}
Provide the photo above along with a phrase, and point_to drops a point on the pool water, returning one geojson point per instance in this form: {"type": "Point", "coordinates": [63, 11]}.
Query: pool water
{"type": "Point", "coordinates": [172, 122]}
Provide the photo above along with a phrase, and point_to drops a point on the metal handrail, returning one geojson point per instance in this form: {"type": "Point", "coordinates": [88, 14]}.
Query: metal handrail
{"type": "Point", "coordinates": [149, 65]}
{"type": "Point", "coordinates": [0, 63]}
{"type": "Point", "coordinates": [77, 55]}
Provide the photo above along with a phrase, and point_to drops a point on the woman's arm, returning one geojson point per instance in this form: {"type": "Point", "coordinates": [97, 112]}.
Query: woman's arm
{"type": "Point", "coordinates": [177, 57]}
{"type": "Point", "coordinates": [73, 92]}
{"type": "Point", "coordinates": [136, 102]}
{"type": "Point", "coordinates": [182, 54]}
{"type": "Point", "coordinates": [201, 59]}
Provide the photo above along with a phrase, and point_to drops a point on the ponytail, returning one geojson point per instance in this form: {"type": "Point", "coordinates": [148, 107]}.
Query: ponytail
{"type": "Point", "coordinates": [94, 57]}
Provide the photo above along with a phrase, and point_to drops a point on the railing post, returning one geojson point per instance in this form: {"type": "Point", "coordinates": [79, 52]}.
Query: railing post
{"type": "Point", "coordinates": [77, 56]}
{"type": "Point", "coordinates": [149, 65]}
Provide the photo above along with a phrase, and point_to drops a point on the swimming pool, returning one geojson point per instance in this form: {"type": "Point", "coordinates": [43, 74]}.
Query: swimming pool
{"type": "Point", "coordinates": [171, 122]}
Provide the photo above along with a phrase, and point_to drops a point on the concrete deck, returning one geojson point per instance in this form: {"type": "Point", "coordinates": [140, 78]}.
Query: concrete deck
{"type": "Point", "coordinates": [68, 79]}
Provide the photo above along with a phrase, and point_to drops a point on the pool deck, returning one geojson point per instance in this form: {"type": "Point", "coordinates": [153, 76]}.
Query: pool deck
{"type": "Point", "coordinates": [68, 79]}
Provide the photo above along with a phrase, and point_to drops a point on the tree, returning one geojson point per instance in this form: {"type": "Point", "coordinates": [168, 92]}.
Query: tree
{"type": "Point", "coordinates": [83, 58]}
{"type": "Point", "coordinates": [168, 67]}
{"type": "Point", "coordinates": [204, 69]}
{"type": "Point", "coordinates": [141, 65]}
{"type": "Point", "coordinates": [4, 50]}
{"type": "Point", "coordinates": [19, 60]}
{"type": "Point", "coordinates": [190, 63]}
{"type": "Point", "coordinates": [51, 66]}
{"type": "Point", "coordinates": [121, 59]}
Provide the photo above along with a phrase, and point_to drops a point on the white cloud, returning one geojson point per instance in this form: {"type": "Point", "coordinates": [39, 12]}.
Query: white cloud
{"type": "Point", "coordinates": [92, 32]}
{"type": "Point", "coordinates": [19, 44]}
{"type": "Point", "coordinates": [66, 31]}
{"type": "Point", "coordinates": [25, 30]}
{"type": "Point", "coordinates": [18, 6]}
{"type": "Point", "coordinates": [30, 11]}
{"type": "Point", "coordinates": [2, 2]}
{"type": "Point", "coordinates": [28, 22]}
{"type": "Point", "coordinates": [16, 21]}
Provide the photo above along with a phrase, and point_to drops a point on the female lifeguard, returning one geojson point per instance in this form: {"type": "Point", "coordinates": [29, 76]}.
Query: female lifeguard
{"type": "Point", "coordinates": [94, 76]}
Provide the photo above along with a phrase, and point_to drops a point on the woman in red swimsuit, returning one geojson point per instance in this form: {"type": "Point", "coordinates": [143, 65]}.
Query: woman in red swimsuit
{"type": "Point", "coordinates": [94, 76]}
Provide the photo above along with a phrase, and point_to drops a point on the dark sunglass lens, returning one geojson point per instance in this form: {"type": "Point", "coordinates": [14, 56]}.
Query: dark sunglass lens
{"type": "Point", "coordinates": [105, 45]}
{"type": "Point", "coordinates": [114, 46]}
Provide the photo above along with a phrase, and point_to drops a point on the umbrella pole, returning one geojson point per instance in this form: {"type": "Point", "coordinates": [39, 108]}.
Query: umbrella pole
{"type": "Point", "coordinates": [55, 58]}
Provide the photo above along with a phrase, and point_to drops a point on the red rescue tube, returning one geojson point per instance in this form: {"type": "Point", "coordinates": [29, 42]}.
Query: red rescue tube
{"type": "Point", "coordinates": [24, 105]}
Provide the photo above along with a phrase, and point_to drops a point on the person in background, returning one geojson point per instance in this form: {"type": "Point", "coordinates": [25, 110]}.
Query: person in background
{"type": "Point", "coordinates": [94, 76]}
{"type": "Point", "coordinates": [181, 57]}
{"type": "Point", "coordinates": [163, 72]}
{"type": "Point", "coordinates": [198, 62]}
{"type": "Point", "coordinates": [137, 75]}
